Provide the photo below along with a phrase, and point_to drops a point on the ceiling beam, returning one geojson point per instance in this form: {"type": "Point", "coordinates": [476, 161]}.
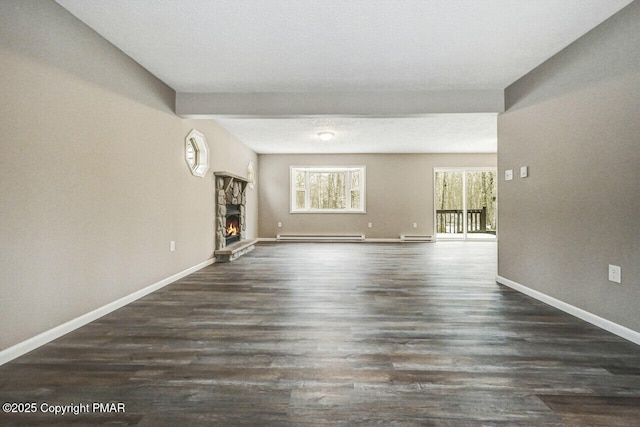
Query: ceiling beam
{"type": "Point", "coordinates": [365, 104]}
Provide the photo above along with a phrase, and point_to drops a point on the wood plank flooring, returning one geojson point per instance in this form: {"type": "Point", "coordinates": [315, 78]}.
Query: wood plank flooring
{"type": "Point", "coordinates": [341, 334]}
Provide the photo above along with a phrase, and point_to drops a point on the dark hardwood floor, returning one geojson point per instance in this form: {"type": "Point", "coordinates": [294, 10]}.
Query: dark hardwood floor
{"type": "Point", "coordinates": [336, 334]}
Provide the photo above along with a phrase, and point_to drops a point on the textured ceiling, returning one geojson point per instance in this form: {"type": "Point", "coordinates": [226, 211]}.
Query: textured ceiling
{"type": "Point", "coordinates": [337, 45]}
{"type": "Point", "coordinates": [258, 46]}
{"type": "Point", "coordinates": [438, 133]}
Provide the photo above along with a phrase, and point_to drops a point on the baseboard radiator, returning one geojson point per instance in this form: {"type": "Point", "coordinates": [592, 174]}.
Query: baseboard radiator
{"type": "Point", "coordinates": [320, 237]}
{"type": "Point", "coordinates": [416, 238]}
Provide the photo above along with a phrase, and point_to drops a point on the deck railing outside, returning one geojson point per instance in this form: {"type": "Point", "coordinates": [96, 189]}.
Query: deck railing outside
{"type": "Point", "coordinates": [452, 221]}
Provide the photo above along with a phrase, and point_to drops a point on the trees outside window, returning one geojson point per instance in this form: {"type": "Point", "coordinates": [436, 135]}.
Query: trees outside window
{"type": "Point", "coordinates": [328, 189]}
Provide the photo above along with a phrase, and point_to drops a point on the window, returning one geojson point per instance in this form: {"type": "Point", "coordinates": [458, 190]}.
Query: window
{"type": "Point", "coordinates": [328, 189]}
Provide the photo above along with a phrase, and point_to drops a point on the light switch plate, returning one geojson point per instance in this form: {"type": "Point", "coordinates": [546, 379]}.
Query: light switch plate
{"type": "Point", "coordinates": [524, 171]}
{"type": "Point", "coordinates": [615, 273]}
{"type": "Point", "coordinates": [508, 175]}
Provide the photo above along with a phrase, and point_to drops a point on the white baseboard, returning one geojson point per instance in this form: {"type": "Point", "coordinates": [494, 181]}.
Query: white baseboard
{"type": "Point", "coordinates": [292, 237]}
{"type": "Point", "coordinates": [366, 240]}
{"type": "Point", "coordinates": [50, 335]}
{"type": "Point", "coordinates": [607, 325]}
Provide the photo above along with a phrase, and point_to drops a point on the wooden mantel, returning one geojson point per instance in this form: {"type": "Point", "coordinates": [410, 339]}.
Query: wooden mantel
{"type": "Point", "coordinates": [229, 178]}
{"type": "Point", "coordinates": [230, 175]}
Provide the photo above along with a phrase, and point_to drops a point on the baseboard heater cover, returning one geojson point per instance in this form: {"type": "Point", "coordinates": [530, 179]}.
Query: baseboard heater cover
{"type": "Point", "coordinates": [320, 237]}
{"type": "Point", "coordinates": [416, 238]}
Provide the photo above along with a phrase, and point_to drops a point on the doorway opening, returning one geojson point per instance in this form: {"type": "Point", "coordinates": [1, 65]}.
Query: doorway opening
{"type": "Point", "coordinates": [465, 203]}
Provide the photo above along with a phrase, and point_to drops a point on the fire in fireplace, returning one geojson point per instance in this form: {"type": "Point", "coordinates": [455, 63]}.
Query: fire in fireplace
{"type": "Point", "coordinates": [232, 229]}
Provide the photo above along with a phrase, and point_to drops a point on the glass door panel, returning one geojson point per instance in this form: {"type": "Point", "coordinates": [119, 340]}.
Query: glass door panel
{"type": "Point", "coordinates": [481, 204]}
{"type": "Point", "coordinates": [465, 204]}
{"type": "Point", "coordinates": [450, 205]}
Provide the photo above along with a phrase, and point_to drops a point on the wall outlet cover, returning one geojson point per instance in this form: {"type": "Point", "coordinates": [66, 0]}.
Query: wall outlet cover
{"type": "Point", "coordinates": [524, 171]}
{"type": "Point", "coordinates": [615, 273]}
{"type": "Point", "coordinates": [508, 175]}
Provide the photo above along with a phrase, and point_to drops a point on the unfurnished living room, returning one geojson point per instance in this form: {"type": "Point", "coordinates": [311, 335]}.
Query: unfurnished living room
{"type": "Point", "coordinates": [320, 213]}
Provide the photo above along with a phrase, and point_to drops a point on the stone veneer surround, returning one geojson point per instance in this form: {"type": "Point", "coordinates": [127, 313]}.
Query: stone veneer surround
{"type": "Point", "coordinates": [230, 190]}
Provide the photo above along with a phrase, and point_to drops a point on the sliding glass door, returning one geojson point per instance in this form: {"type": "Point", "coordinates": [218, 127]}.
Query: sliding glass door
{"type": "Point", "coordinates": [465, 203]}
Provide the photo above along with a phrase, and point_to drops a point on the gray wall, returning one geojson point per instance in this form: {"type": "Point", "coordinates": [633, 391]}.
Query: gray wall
{"type": "Point", "coordinates": [93, 181]}
{"type": "Point", "coordinates": [399, 193]}
{"type": "Point", "coordinates": [575, 121]}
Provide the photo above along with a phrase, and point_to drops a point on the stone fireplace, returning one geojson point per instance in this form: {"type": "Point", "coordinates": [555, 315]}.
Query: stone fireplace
{"type": "Point", "coordinates": [231, 227]}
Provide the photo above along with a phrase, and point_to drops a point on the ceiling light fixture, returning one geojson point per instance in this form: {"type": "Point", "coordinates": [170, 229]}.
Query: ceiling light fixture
{"type": "Point", "coordinates": [325, 136]}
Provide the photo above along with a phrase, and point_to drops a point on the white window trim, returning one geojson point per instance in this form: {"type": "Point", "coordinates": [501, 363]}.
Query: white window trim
{"type": "Point", "coordinates": [307, 169]}
{"type": "Point", "coordinates": [198, 161]}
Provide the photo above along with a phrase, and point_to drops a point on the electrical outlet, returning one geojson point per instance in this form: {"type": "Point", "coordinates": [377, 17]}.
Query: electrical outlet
{"type": "Point", "coordinates": [615, 273]}
{"type": "Point", "coordinates": [415, 225]}
{"type": "Point", "coordinates": [508, 175]}
{"type": "Point", "coordinates": [370, 225]}
{"type": "Point", "coordinates": [279, 225]}
{"type": "Point", "coordinates": [172, 246]}
{"type": "Point", "coordinates": [524, 171]}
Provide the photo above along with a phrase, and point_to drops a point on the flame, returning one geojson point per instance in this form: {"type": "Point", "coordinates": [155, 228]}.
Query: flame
{"type": "Point", "coordinates": [232, 230]}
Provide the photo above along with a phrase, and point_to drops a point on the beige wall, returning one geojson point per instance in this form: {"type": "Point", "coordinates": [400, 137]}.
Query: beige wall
{"type": "Point", "coordinates": [575, 121]}
{"type": "Point", "coordinates": [399, 193]}
{"type": "Point", "coordinates": [93, 181]}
